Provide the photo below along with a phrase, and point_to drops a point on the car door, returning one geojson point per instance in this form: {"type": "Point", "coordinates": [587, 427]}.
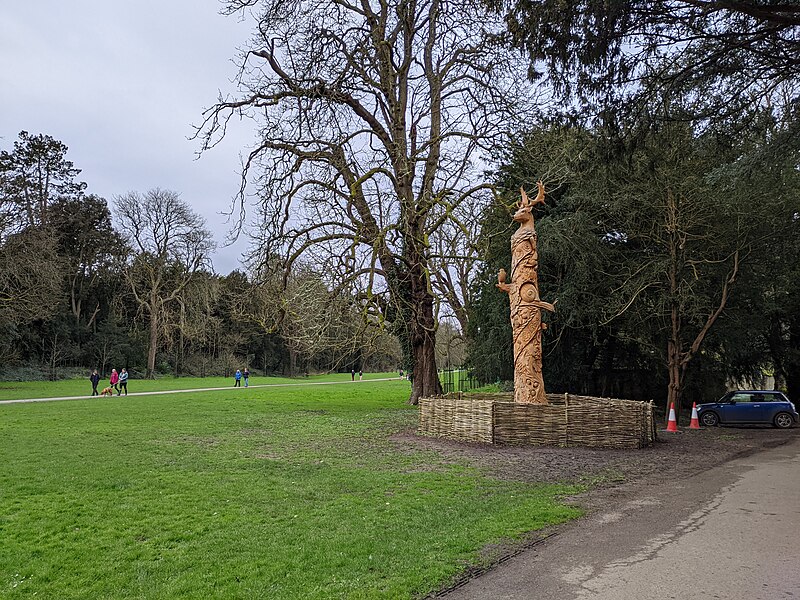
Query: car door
{"type": "Point", "coordinates": [742, 408]}
{"type": "Point", "coordinates": [771, 404]}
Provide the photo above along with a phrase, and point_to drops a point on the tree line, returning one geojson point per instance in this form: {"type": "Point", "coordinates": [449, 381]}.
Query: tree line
{"type": "Point", "coordinates": [80, 288]}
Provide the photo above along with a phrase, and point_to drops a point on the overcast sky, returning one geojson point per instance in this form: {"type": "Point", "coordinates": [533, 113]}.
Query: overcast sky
{"type": "Point", "coordinates": [121, 82]}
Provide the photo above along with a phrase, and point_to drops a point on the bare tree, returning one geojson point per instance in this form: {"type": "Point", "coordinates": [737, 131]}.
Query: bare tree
{"type": "Point", "coordinates": [191, 319]}
{"type": "Point", "coordinates": [170, 246]}
{"type": "Point", "coordinates": [455, 256]}
{"type": "Point", "coordinates": [374, 119]}
{"type": "Point", "coordinates": [311, 319]}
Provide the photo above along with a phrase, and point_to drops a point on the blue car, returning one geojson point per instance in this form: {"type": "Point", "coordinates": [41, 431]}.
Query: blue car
{"type": "Point", "coordinates": [749, 406]}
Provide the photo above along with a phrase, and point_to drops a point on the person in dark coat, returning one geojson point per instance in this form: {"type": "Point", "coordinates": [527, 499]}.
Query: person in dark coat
{"type": "Point", "coordinates": [95, 379]}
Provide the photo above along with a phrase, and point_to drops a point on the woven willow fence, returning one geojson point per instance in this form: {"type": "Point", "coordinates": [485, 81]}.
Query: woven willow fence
{"type": "Point", "coordinates": [567, 421]}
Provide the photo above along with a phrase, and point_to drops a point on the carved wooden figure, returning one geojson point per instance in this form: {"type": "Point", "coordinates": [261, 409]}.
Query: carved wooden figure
{"type": "Point", "coordinates": [526, 313]}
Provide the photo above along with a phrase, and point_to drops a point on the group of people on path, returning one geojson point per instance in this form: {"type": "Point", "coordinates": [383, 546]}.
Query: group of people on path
{"type": "Point", "coordinates": [353, 374]}
{"type": "Point", "coordinates": [239, 375]}
{"type": "Point", "coordinates": [118, 381]}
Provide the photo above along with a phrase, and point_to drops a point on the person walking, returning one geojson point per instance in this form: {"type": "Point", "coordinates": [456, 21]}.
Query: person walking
{"type": "Point", "coordinates": [246, 375]}
{"type": "Point", "coordinates": [114, 379]}
{"type": "Point", "coordinates": [352, 374]}
{"type": "Point", "coordinates": [237, 379]}
{"type": "Point", "coordinates": [95, 379]}
{"type": "Point", "coordinates": [360, 375]}
{"type": "Point", "coordinates": [123, 382]}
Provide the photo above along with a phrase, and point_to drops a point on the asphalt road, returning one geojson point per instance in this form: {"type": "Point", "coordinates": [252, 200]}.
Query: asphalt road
{"type": "Point", "coordinates": [732, 532]}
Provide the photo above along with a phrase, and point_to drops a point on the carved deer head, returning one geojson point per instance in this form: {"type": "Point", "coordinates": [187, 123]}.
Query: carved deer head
{"type": "Point", "coordinates": [525, 205]}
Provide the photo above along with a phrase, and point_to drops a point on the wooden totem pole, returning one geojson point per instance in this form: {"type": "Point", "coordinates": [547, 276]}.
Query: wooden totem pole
{"type": "Point", "coordinates": [526, 306]}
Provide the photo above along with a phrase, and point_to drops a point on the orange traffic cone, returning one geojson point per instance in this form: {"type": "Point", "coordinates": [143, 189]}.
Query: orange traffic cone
{"type": "Point", "coordinates": [695, 423]}
{"type": "Point", "coordinates": [672, 424]}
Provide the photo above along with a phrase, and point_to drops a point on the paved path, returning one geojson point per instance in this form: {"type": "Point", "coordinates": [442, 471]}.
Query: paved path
{"type": "Point", "coordinates": [211, 389]}
{"type": "Point", "coordinates": [729, 533]}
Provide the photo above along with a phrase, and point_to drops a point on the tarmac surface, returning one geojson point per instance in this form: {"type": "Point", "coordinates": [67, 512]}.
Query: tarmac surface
{"type": "Point", "coordinates": [730, 532]}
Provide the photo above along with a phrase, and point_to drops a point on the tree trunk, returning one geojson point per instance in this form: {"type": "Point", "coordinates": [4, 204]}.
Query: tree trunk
{"type": "Point", "coordinates": [793, 386]}
{"type": "Point", "coordinates": [54, 359]}
{"type": "Point", "coordinates": [674, 369]}
{"type": "Point", "coordinates": [674, 343]}
{"type": "Point", "coordinates": [292, 362]}
{"type": "Point", "coordinates": [104, 358]}
{"type": "Point", "coordinates": [151, 354]}
{"type": "Point", "coordinates": [791, 365]}
{"type": "Point", "coordinates": [179, 350]}
{"type": "Point", "coordinates": [422, 337]}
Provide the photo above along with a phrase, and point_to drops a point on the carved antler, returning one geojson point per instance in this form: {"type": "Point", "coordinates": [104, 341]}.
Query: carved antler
{"type": "Point", "coordinates": [540, 194]}
{"type": "Point", "coordinates": [526, 202]}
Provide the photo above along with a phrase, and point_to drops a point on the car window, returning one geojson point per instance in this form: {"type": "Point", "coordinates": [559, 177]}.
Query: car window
{"type": "Point", "coordinates": [772, 398]}
{"type": "Point", "coordinates": [740, 398]}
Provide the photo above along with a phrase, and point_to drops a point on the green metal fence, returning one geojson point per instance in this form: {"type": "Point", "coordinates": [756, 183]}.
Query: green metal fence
{"type": "Point", "coordinates": [457, 380]}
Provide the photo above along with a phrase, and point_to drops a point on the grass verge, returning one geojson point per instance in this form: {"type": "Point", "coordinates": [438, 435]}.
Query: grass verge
{"type": "Point", "coordinates": [15, 390]}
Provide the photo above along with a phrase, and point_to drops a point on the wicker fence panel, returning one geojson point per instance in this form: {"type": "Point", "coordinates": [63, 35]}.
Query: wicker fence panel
{"type": "Point", "coordinates": [528, 424]}
{"type": "Point", "coordinates": [610, 426]}
{"type": "Point", "coordinates": [457, 417]}
{"type": "Point", "coordinates": [567, 421]}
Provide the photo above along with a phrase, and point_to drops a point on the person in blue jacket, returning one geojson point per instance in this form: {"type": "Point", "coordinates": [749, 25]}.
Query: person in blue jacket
{"type": "Point", "coordinates": [123, 382]}
{"type": "Point", "coordinates": [237, 379]}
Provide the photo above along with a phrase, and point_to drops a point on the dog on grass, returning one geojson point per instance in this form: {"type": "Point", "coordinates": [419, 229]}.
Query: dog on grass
{"type": "Point", "coordinates": [109, 391]}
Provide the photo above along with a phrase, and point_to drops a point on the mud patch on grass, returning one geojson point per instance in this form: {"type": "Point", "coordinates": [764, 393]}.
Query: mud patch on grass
{"type": "Point", "coordinates": [256, 432]}
{"type": "Point", "coordinates": [683, 453]}
{"type": "Point", "coordinates": [199, 441]}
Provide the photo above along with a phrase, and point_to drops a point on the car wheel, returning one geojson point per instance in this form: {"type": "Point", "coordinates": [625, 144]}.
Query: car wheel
{"type": "Point", "coordinates": [710, 419]}
{"type": "Point", "coordinates": [783, 420]}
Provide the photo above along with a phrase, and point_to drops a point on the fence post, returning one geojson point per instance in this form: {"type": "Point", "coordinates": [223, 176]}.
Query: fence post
{"type": "Point", "coordinates": [493, 422]}
{"type": "Point", "coordinates": [566, 420]}
{"type": "Point", "coordinates": [653, 430]}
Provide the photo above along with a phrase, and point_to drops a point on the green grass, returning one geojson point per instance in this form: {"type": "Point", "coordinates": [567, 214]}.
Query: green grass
{"type": "Point", "coordinates": [274, 493]}
{"type": "Point", "coordinates": [489, 388]}
{"type": "Point", "coordinates": [81, 387]}
{"type": "Point", "coordinates": [454, 377]}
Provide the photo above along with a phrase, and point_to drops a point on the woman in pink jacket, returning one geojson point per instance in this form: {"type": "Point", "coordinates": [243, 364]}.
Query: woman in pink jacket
{"type": "Point", "coordinates": [114, 379]}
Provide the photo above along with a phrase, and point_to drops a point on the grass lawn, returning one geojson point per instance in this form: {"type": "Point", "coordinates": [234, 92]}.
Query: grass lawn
{"type": "Point", "coordinates": [15, 390]}
{"type": "Point", "coordinates": [273, 493]}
